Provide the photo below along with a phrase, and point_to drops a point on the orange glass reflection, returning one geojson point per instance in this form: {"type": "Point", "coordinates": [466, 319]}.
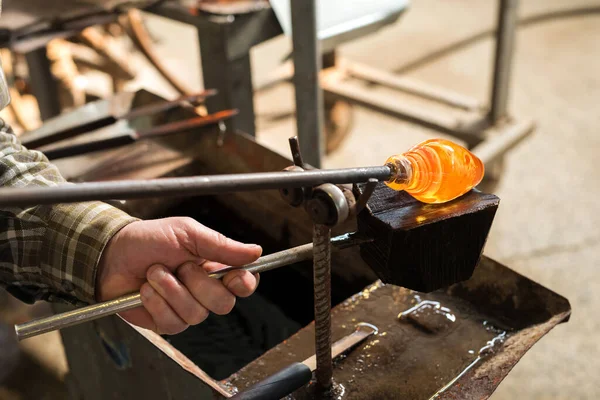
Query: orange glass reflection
{"type": "Point", "coordinates": [435, 171]}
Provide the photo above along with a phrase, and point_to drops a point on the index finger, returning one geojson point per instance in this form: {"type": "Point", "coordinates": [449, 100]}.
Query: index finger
{"type": "Point", "coordinates": [212, 245]}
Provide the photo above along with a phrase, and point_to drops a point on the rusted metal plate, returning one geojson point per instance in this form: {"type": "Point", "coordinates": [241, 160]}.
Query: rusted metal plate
{"type": "Point", "coordinates": [415, 357]}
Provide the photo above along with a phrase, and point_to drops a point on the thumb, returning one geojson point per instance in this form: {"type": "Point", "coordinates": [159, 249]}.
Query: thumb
{"type": "Point", "coordinates": [212, 245]}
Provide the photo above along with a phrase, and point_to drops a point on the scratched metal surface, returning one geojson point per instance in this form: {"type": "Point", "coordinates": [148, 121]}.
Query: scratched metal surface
{"type": "Point", "coordinates": [416, 357]}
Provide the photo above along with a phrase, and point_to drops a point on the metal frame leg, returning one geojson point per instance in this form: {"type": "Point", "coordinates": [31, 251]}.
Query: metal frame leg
{"type": "Point", "coordinates": [231, 77]}
{"type": "Point", "coordinates": [43, 83]}
{"type": "Point", "coordinates": [505, 44]}
{"type": "Point", "coordinates": [307, 65]}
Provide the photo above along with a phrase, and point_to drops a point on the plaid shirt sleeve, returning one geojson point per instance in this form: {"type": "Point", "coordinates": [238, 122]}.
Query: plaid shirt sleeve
{"type": "Point", "coordinates": [49, 252]}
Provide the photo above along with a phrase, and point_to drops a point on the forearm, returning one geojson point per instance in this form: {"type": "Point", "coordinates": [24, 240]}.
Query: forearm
{"type": "Point", "coordinates": [49, 252]}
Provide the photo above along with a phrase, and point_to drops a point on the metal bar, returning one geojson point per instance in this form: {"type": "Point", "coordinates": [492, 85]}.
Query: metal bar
{"type": "Point", "coordinates": [97, 115]}
{"type": "Point", "coordinates": [128, 302]}
{"type": "Point", "coordinates": [355, 95]}
{"type": "Point", "coordinates": [307, 66]}
{"type": "Point", "coordinates": [362, 331]}
{"type": "Point", "coordinates": [129, 137]}
{"type": "Point", "coordinates": [296, 152]}
{"type": "Point", "coordinates": [184, 125]}
{"type": "Point", "coordinates": [43, 83]}
{"type": "Point", "coordinates": [162, 106]}
{"type": "Point", "coordinates": [497, 145]}
{"type": "Point", "coordinates": [77, 149]}
{"type": "Point", "coordinates": [505, 44]}
{"type": "Point", "coordinates": [410, 86]}
{"type": "Point", "coordinates": [231, 76]}
{"type": "Point", "coordinates": [196, 186]}
{"type": "Point", "coordinates": [322, 296]}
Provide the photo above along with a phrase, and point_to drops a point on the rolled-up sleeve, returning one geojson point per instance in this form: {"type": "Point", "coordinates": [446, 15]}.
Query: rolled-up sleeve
{"type": "Point", "coordinates": [50, 252]}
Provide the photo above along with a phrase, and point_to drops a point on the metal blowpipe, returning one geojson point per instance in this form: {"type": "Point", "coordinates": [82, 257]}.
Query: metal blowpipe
{"type": "Point", "coordinates": [190, 186]}
{"type": "Point", "coordinates": [128, 302]}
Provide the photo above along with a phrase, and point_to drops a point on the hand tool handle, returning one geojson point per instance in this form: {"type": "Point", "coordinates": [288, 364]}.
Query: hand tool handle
{"type": "Point", "coordinates": [278, 385]}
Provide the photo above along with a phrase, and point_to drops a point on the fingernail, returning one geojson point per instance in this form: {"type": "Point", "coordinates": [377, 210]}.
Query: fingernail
{"type": "Point", "coordinates": [146, 292]}
{"type": "Point", "coordinates": [236, 285]}
{"type": "Point", "coordinates": [156, 274]}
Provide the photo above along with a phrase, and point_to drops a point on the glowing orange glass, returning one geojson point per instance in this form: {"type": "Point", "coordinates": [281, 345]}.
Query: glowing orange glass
{"type": "Point", "coordinates": [435, 171]}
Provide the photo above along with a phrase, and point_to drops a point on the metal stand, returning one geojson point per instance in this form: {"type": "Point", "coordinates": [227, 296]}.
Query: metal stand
{"type": "Point", "coordinates": [307, 66]}
{"type": "Point", "coordinates": [231, 77]}
{"type": "Point", "coordinates": [43, 83]}
{"type": "Point", "coordinates": [225, 42]}
{"type": "Point", "coordinates": [505, 44]}
{"type": "Point", "coordinates": [479, 125]}
{"type": "Point", "coordinates": [327, 205]}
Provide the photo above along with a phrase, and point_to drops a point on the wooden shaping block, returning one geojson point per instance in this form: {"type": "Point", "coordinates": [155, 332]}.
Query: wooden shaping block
{"type": "Point", "coordinates": [424, 247]}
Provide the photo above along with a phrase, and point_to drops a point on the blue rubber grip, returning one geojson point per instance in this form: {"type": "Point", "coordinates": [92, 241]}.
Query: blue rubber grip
{"type": "Point", "coordinates": [278, 385]}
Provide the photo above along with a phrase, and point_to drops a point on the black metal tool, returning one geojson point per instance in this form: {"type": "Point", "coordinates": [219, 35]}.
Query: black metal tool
{"type": "Point", "coordinates": [133, 136]}
{"type": "Point", "coordinates": [100, 114]}
{"type": "Point", "coordinates": [293, 377]}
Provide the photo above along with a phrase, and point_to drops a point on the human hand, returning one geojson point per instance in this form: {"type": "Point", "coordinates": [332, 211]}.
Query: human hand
{"type": "Point", "coordinates": [168, 261]}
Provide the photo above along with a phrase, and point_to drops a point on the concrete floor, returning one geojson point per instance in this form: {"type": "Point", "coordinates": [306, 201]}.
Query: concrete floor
{"type": "Point", "coordinates": [546, 227]}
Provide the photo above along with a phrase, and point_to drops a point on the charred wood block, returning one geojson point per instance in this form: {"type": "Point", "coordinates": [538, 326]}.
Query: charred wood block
{"type": "Point", "coordinates": [425, 247]}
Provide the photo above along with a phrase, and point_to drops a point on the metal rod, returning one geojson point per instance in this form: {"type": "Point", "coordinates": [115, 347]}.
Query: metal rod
{"type": "Point", "coordinates": [129, 137]}
{"type": "Point", "coordinates": [307, 66]}
{"type": "Point", "coordinates": [296, 152]}
{"type": "Point", "coordinates": [128, 302]}
{"type": "Point", "coordinates": [322, 296]}
{"type": "Point", "coordinates": [161, 106]}
{"type": "Point", "coordinates": [374, 101]}
{"type": "Point", "coordinates": [197, 186]}
{"type": "Point", "coordinates": [496, 146]}
{"type": "Point", "coordinates": [410, 86]}
{"type": "Point", "coordinates": [505, 44]}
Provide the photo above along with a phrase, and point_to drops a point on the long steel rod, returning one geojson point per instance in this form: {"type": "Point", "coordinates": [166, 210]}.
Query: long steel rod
{"type": "Point", "coordinates": [196, 186]}
{"type": "Point", "coordinates": [128, 302]}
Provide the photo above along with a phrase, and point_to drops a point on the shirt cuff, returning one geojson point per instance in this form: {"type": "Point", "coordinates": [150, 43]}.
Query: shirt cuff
{"type": "Point", "coordinates": [77, 236]}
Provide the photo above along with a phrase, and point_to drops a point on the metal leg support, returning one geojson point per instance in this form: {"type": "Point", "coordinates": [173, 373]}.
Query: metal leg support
{"type": "Point", "coordinates": [505, 43]}
{"type": "Point", "coordinates": [232, 78]}
{"type": "Point", "coordinates": [307, 65]}
{"type": "Point", "coordinates": [322, 288]}
{"type": "Point", "coordinates": [43, 83]}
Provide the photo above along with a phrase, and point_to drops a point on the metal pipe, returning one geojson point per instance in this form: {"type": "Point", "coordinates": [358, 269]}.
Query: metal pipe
{"type": "Point", "coordinates": [128, 302]}
{"type": "Point", "coordinates": [307, 66]}
{"type": "Point", "coordinates": [190, 186]}
{"type": "Point", "coordinates": [496, 146]}
{"type": "Point", "coordinates": [410, 86]}
{"type": "Point", "coordinates": [322, 296]}
{"type": "Point", "coordinates": [505, 44]}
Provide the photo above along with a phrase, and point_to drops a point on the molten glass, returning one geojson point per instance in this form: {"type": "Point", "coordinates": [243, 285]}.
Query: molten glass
{"type": "Point", "coordinates": [435, 171]}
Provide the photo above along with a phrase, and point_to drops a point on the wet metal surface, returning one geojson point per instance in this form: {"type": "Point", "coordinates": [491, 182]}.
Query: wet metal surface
{"type": "Point", "coordinates": [492, 320]}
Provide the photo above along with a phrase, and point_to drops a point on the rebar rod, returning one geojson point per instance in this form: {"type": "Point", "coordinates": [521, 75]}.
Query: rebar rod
{"type": "Point", "coordinates": [322, 297]}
